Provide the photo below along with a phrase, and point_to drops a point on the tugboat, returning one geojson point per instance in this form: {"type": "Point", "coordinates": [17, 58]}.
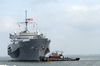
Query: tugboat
{"type": "Point", "coordinates": [55, 56]}
{"type": "Point", "coordinates": [28, 46]}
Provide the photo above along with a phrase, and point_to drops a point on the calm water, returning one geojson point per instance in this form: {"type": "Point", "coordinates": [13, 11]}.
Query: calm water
{"type": "Point", "coordinates": [84, 61]}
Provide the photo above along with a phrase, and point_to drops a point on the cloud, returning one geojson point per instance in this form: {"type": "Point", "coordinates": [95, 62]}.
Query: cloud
{"type": "Point", "coordinates": [7, 24]}
{"type": "Point", "coordinates": [42, 2]}
{"type": "Point", "coordinates": [95, 8]}
{"type": "Point", "coordinates": [77, 8]}
{"type": "Point", "coordinates": [83, 8]}
{"type": "Point", "coordinates": [83, 15]}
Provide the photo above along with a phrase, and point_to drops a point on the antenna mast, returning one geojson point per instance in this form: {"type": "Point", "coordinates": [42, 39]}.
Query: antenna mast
{"type": "Point", "coordinates": [26, 20]}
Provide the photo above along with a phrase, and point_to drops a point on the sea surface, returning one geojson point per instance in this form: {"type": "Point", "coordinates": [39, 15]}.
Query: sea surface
{"type": "Point", "coordinates": [84, 61]}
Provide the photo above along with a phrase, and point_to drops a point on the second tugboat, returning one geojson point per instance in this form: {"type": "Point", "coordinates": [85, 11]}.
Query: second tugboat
{"type": "Point", "coordinates": [28, 46]}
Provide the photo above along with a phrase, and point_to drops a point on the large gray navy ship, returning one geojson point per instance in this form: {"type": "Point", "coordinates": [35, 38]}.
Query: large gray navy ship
{"type": "Point", "coordinates": [28, 46]}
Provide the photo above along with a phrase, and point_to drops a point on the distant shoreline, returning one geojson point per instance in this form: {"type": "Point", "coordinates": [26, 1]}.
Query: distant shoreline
{"type": "Point", "coordinates": [81, 55]}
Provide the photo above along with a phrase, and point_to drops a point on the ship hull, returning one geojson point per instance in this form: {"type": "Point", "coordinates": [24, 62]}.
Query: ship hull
{"type": "Point", "coordinates": [31, 50]}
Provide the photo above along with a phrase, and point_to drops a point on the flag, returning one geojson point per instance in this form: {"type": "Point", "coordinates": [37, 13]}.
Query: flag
{"type": "Point", "coordinates": [40, 51]}
{"type": "Point", "coordinates": [19, 25]}
{"type": "Point", "coordinates": [35, 45]}
{"type": "Point", "coordinates": [30, 19]}
{"type": "Point", "coordinates": [33, 26]}
{"type": "Point", "coordinates": [37, 49]}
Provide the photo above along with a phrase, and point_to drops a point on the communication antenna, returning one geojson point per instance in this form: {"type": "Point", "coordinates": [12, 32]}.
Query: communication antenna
{"type": "Point", "coordinates": [26, 22]}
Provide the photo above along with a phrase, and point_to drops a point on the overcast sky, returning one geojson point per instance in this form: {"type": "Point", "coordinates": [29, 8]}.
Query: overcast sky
{"type": "Point", "coordinates": [73, 26]}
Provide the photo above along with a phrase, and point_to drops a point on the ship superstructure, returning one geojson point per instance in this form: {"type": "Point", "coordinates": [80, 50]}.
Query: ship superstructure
{"type": "Point", "coordinates": [27, 45]}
